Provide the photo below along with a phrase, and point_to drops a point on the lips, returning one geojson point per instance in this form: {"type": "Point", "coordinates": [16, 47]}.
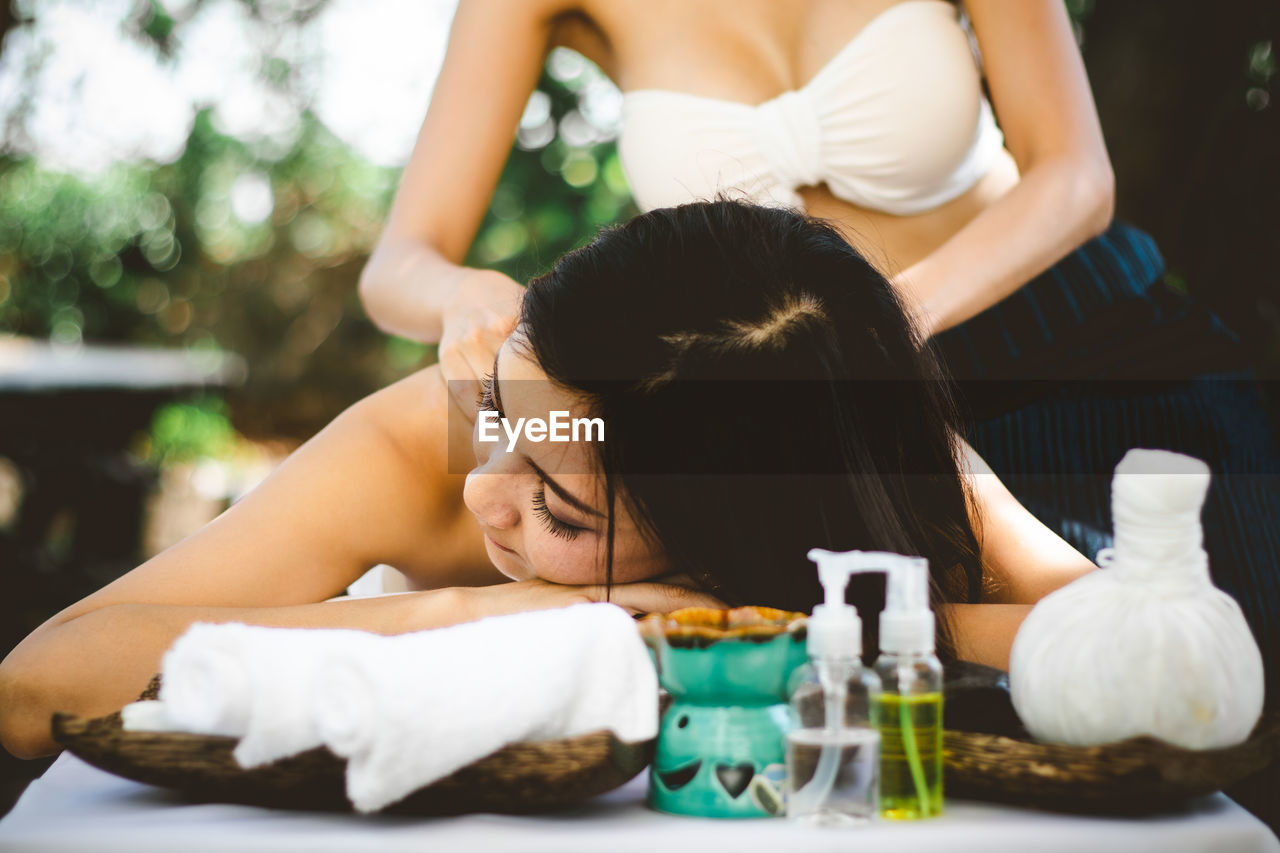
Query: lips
{"type": "Point", "coordinates": [674, 780]}
{"type": "Point", "coordinates": [499, 545]}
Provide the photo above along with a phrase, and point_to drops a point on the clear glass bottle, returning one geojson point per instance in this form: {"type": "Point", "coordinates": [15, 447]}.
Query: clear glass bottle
{"type": "Point", "coordinates": [910, 720]}
{"type": "Point", "coordinates": [832, 747]}
{"type": "Point", "coordinates": [910, 706]}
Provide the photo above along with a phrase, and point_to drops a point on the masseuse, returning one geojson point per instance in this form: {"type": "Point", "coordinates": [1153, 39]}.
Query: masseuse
{"type": "Point", "coordinates": [993, 219]}
{"type": "Point", "coordinates": [742, 361]}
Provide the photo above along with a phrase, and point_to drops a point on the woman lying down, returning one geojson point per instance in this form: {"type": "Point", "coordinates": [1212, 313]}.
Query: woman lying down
{"type": "Point", "coordinates": [760, 392]}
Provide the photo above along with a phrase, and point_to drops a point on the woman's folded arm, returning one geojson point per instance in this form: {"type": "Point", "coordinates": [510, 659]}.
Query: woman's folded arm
{"type": "Point", "coordinates": [98, 662]}
{"type": "Point", "coordinates": [372, 487]}
{"type": "Point", "coordinates": [984, 632]}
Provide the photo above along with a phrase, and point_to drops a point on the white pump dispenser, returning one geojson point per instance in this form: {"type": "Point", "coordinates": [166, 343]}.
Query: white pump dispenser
{"type": "Point", "coordinates": [835, 630]}
{"type": "Point", "coordinates": [833, 751]}
{"type": "Point", "coordinates": [907, 624]}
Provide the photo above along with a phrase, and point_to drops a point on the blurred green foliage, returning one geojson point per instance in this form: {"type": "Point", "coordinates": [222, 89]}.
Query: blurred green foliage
{"type": "Point", "coordinates": [182, 432]}
{"type": "Point", "coordinates": [240, 247]}
{"type": "Point", "coordinates": [175, 254]}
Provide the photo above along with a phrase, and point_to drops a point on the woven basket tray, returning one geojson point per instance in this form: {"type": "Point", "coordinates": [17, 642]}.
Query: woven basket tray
{"type": "Point", "coordinates": [988, 755]}
{"type": "Point", "coordinates": [519, 778]}
{"type": "Point", "coordinates": [1136, 776]}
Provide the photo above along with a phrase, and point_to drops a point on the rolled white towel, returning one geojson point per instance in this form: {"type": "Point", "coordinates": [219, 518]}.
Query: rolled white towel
{"type": "Point", "coordinates": [410, 709]}
{"type": "Point", "coordinates": [247, 681]}
{"type": "Point", "coordinates": [206, 681]}
{"type": "Point", "coordinates": [147, 715]}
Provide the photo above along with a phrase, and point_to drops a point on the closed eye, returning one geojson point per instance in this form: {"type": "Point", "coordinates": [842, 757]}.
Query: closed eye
{"type": "Point", "coordinates": [486, 403]}
{"type": "Point", "coordinates": [554, 525]}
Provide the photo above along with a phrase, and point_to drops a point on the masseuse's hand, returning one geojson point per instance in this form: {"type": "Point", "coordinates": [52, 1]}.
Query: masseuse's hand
{"type": "Point", "coordinates": [921, 311]}
{"type": "Point", "coordinates": [480, 316]}
{"type": "Point", "coordinates": [519, 596]}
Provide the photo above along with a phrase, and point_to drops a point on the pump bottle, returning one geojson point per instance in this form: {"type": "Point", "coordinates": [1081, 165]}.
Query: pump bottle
{"type": "Point", "coordinates": [832, 750]}
{"type": "Point", "coordinates": [909, 711]}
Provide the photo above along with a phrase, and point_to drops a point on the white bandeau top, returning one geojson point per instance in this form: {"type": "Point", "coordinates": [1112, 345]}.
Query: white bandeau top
{"type": "Point", "coordinates": [896, 122]}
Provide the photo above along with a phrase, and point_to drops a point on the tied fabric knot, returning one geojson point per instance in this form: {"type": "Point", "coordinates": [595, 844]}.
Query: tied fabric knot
{"type": "Point", "coordinates": [1158, 576]}
{"type": "Point", "coordinates": [790, 138]}
{"type": "Point", "coordinates": [1156, 501]}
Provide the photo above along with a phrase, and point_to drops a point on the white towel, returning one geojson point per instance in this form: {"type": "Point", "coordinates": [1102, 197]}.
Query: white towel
{"type": "Point", "coordinates": [380, 580]}
{"type": "Point", "coordinates": [148, 715]}
{"type": "Point", "coordinates": [407, 710]}
{"type": "Point", "coordinates": [423, 705]}
{"type": "Point", "coordinates": [247, 681]}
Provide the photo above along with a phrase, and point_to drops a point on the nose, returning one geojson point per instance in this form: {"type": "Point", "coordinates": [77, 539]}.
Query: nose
{"type": "Point", "coordinates": [491, 498]}
{"type": "Point", "coordinates": [490, 488]}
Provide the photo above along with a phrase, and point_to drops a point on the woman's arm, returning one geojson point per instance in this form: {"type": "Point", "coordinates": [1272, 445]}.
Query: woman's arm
{"type": "Point", "coordinates": [372, 487]}
{"type": "Point", "coordinates": [495, 54]}
{"type": "Point", "coordinates": [412, 284]}
{"type": "Point", "coordinates": [1066, 193]}
{"type": "Point", "coordinates": [984, 632]}
{"type": "Point", "coordinates": [99, 661]}
{"type": "Point", "coordinates": [1023, 561]}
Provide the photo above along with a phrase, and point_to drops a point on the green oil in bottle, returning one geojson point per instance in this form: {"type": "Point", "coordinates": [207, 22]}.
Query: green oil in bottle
{"type": "Point", "coordinates": [910, 755]}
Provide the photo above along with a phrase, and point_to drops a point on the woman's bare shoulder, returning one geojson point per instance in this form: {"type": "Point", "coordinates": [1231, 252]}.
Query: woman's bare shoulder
{"type": "Point", "coordinates": [426, 451]}
{"type": "Point", "coordinates": [421, 420]}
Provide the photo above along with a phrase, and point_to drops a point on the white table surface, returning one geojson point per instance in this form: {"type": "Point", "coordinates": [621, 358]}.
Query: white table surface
{"type": "Point", "coordinates": [77, 807]}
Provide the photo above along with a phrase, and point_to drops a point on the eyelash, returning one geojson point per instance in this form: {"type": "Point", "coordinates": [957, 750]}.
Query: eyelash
{"type": "Point", "coordinates": [486, 394]}
{"type": "Point", "coordinates": [554, 525]}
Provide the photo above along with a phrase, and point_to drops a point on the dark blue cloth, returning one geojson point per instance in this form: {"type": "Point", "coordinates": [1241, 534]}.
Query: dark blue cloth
{"type": "Point", "coordinates": [1098, 355]}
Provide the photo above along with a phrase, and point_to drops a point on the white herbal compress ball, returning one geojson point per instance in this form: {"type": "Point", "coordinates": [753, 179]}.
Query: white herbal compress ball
{"type": "Point", "coordinates": [1147, 644]}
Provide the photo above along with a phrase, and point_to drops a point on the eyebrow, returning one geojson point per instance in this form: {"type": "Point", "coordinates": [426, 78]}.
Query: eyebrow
{"type": "Point", "coordinates": [561, 492]}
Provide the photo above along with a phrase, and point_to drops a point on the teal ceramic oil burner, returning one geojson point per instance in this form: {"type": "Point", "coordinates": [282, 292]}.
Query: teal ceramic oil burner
{"type": "Point", "coordinates": [720, 750]}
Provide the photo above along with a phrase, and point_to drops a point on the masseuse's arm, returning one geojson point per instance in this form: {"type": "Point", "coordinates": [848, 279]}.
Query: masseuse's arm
{"type": "Point", "coordinates": [1066, 193]}
{"type": "Point", "coordinates": [1023, 561]}
{"type": "Point", "coordinates": [413, 284]}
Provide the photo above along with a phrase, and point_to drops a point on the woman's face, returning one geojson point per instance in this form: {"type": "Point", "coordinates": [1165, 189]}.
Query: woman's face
{"type": "Point", "coordinates": [541, 505]}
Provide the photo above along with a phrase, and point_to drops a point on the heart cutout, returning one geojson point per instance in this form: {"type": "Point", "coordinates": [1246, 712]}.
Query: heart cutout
{"type": "Point", "coordinates": [735, 777]}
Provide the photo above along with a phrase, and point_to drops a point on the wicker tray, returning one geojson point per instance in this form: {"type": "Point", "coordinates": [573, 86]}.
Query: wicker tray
{"type": "Point", "coordinates": [988, 755]}
{"type": "Point", "coordinates": [1136, 776]}
{"type": "Point", "coordinates": [520, 778]}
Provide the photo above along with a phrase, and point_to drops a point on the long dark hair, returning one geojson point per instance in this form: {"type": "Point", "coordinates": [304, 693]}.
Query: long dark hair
{"type": "Point", "coordinates": [763, 393]}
